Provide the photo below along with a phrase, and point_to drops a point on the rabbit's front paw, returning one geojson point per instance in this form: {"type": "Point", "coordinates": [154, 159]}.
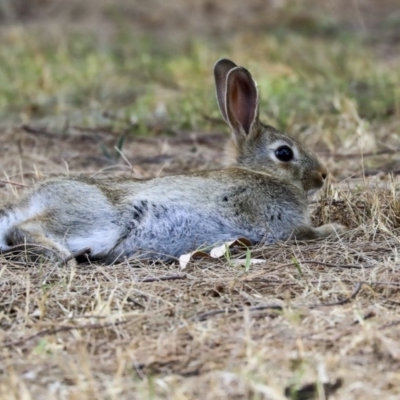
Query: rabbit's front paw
{"type": "Point", "coordinates": [331, 230]}
{"type": "Point", "coordinates": [306, 232]}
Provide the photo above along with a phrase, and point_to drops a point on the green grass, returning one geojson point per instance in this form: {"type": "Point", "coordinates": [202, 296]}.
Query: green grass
{"type": "Point", "coordinates": [140, 84]}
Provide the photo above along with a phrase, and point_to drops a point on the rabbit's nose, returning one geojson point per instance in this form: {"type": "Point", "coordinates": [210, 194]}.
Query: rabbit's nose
{"type": "Point", "coordinates": [324, 172]}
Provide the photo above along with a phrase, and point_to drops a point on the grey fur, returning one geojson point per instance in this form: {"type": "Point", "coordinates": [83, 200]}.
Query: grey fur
{"type": "Point", "coordinates": [256, 196]}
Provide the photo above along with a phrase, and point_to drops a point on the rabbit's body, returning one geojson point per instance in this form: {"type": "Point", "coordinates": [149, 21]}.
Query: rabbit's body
{"type": "Point", "coordinates": [146, 219]}
{"type": "Point", "coordinates": [262, 196]}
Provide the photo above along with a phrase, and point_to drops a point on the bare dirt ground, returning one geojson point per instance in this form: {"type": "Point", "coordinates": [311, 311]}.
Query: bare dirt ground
{"type": "Point", "coordinates": [312, 321]}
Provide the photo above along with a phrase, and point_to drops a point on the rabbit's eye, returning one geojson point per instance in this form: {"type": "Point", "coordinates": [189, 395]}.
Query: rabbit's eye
{"type": "Point", "coordinates": [284, 153]}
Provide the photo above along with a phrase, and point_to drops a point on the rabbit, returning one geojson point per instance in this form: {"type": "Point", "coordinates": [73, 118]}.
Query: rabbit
{"type": "Point", "coordinates": [260, 195]}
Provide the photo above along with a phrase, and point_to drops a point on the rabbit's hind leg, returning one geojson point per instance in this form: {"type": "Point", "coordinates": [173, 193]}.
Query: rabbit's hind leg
{"type": "Point", "coordinates": [30, 237]}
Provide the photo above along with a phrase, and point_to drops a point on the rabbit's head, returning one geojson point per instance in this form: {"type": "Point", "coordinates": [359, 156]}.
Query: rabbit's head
{"type": "Point", "coordinates": [257, 146]}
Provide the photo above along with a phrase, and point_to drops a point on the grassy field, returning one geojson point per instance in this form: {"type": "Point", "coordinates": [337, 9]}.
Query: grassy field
{"type": "Point", "coordinates": [123, 89]}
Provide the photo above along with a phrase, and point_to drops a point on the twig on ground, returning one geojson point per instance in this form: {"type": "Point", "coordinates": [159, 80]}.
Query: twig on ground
{"type": "Point", "coordinates": [163, 278]}
{"type": "Point", "coordinates": [330, 265]}
{"type": "Point", "coordinates": [212, 313]}
{"type": "Point", "coordinates": [356, 290]}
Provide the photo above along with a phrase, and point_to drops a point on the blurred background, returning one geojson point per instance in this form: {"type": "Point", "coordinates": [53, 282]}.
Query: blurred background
{"type": "Point", "coordinates": [87, 81]}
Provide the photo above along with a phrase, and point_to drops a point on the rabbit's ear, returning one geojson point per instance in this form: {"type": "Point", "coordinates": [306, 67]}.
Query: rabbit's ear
{"type": "Point", "coordinates": [241, 101]}
{"type": "Point", "coordinates": [221, 70]}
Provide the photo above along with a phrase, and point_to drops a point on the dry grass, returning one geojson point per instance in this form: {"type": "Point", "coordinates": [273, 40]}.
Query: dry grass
{"type": "Point", "coordinates": [322, 313]}
{"type": "Point", "coordinates": [315, 320]}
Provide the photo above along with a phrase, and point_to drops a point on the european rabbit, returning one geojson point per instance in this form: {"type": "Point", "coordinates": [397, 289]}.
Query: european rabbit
{"type": "Point", "coordinates": [261, 195]}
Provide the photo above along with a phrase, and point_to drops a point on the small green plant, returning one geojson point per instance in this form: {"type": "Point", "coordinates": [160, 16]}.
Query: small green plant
{"type": "Point", "coordinates": [41, 347]}
{"type": "Point", "coordinates": [297, 266]}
